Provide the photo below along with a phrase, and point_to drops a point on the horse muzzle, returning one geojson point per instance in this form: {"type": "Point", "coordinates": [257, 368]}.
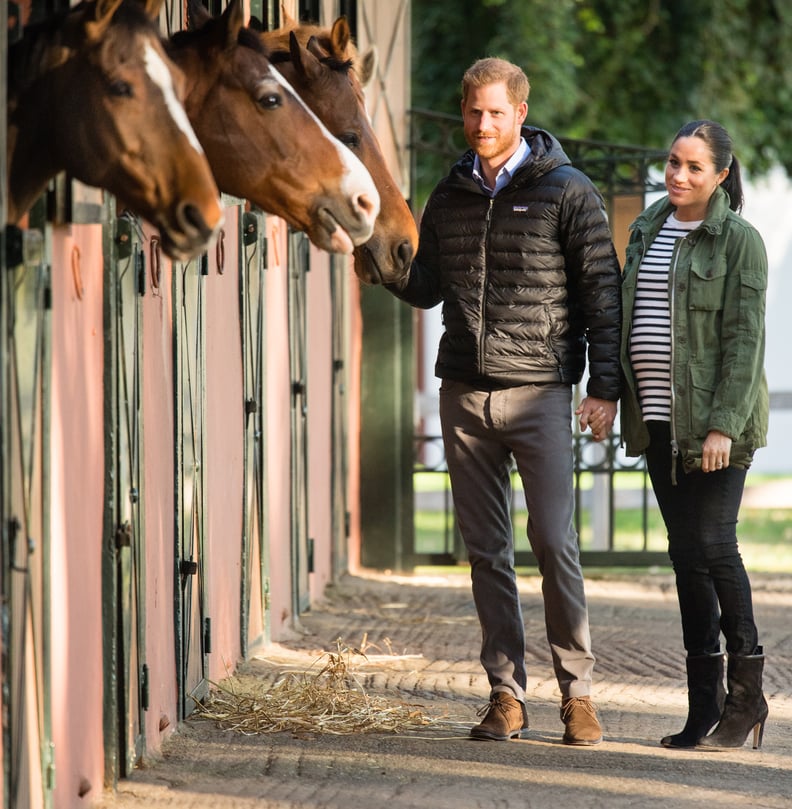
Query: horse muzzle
{"type": "Point", "coordinates": [190, 233]}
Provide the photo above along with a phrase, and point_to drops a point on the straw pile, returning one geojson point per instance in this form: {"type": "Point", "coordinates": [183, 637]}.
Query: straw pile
{"type": "Point", "coordinates": [327, 698]}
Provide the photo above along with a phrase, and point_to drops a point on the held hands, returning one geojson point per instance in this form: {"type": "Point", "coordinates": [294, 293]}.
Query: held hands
{"type": "Point", "coordinates": [715, 452]}
{"type": "Point", "coordinates": [598, 415]}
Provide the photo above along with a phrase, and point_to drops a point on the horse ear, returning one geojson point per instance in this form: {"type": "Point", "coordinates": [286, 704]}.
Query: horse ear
{"type": "Point", "coordinates": [366, 66]}
{"type": "Point", "coordinates": [305, 62]}
{"type": "Point", "coordinates": [103, 11]}
{"type": "Point", "coordinates": [295, 51]}
{"type": "Point", "coordinates": [233, 19]}
{"type": "Point", "coordinates": [315, 49]}
{"type": "Point", "coordinates": [197, 15]}
{"type": "Point", "coordinates": [340, 36]}
{"type": "Point", "coordinates": [152, 8]}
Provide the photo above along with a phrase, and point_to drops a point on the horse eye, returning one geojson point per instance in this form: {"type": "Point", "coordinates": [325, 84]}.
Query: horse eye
{"type": "Point", "coordinates": [271, 101]}
{"type": "Point", "coordinates": [121, 88]}
{"type": "Point", "coordinates": [350, 139]}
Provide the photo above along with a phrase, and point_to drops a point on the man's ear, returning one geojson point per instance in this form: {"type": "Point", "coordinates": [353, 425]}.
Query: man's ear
{"type": "Point", "coordinates": [522, 111]}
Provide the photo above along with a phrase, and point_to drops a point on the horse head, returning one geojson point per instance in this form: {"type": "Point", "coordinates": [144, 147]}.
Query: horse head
{"type": "Point", "coordinates": [323, 66]}
{"type": "Point", "coordinates": [93, 93]}
{"type": "Point", "coordinates": [262, 141]}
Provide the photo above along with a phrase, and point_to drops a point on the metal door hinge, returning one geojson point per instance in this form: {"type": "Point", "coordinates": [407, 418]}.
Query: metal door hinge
{"type": "Point", "coordinates": [207, 636]}
{"type": "Point", "coordinates": [49, 771]}
{"type": "Point", "coordinates": [123, 535]}
{"type": "Point", "coordinates": [144, 686]}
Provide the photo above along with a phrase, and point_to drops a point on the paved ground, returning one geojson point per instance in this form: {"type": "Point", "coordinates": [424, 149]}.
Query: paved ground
{"type": "Point", "coordinates": [422, 637]}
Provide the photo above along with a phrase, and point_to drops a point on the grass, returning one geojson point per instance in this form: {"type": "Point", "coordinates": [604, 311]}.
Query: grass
{"type": "Point", "coordinates": [765, 534]}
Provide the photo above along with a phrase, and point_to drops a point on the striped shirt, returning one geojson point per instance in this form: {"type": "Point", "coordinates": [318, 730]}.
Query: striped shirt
{"type": "Point", "coordinates": [650, 340]}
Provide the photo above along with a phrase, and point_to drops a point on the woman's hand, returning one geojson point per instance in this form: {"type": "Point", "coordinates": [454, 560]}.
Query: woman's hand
{"type": "Point", "coordinates": [715, 452]}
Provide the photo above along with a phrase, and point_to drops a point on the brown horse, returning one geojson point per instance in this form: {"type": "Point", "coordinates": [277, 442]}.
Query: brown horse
{"type": "Point", "coordinates": [91, 92]}
{"type": "Point", "coordinates": [263, 143]}
{"type": "Point", "coordinates": [326, 70]}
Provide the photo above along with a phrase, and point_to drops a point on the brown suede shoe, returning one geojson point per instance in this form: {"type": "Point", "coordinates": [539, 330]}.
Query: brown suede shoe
{"type": "Point", "coordinates": [505, 718]}
{"type": "Point", "coordinates": [579, 715]}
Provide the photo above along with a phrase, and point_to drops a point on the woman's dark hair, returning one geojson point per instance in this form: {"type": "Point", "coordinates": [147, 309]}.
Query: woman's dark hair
{"type": "Point", "coordinates": [720, 146]}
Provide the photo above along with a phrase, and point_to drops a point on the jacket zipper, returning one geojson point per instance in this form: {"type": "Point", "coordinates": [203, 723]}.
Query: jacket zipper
{"type": "Point", "coordinates": [671, 309]}
{"type": "Point", "coordinates": [482, 324]}
{"type": "Point", "coordinates": [631, 381]}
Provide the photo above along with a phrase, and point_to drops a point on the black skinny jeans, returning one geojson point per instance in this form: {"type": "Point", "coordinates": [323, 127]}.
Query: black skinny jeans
{"type": "Point", "coordinates": [700, 515]}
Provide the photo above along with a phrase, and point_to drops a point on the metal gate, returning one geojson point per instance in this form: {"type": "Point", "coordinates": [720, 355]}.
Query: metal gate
{"type": "Point", "coordinates": [255, 541]}
{"type": "Point", "coordinates": [28, 757]}
{"type": "Point", "coordinates": [126, 686]}
{"type": "Point", "coordinates": [192, 621]}
{"type": "Point", "coordinates": [301, 545]}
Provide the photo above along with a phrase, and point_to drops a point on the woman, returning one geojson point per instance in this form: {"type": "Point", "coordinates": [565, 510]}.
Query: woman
{"type": "Point", "coordinates": [696, 404]}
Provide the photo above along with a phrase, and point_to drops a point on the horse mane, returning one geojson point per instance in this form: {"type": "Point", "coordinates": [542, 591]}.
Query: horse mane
{"type": "Point", "coordinates": [28, 57]}
{"type": "Point", "coordinates": [50, 42]}
{"type": "Point", "coordinates": [343, 65]}
{"type": "Point", "coordinates": [246, 38]}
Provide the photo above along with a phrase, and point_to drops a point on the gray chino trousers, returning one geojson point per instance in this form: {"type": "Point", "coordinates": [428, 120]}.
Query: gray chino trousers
{"type": "Point", "coordinates": [482, 430]}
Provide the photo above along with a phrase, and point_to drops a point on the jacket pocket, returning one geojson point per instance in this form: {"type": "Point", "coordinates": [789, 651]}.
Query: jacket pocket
{"type": "Point", "coordinates": [703, 381]}
{"type": "Point", "coordinates": [707, 284]}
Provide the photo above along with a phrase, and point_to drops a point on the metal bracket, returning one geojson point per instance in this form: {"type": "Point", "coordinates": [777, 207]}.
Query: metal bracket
{"type": "Point", "coordinates": [13, 246]}
{"type": "Point", "coordinates": [123, 535]}
{"type": "Point", "coordinates": [144, 687]}
{"type": "Point", "coordinates": [124, 237]}
{"type": "Point", "coordinates": [250, 228]}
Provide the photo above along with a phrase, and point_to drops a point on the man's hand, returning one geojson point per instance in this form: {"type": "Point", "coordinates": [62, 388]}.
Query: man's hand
{"type": "Point", "coordinates": [598, 415]}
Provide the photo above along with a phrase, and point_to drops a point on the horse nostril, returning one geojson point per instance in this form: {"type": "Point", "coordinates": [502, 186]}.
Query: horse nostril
{"type": "Point", "coordinates": [191, 218]}
{"type": "Point", "coordinates": [367, 205]}
{"type": "Point", "coordinates": [404, 253]}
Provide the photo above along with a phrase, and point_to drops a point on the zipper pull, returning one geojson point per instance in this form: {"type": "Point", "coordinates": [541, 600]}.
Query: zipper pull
{"type": "Point", "coordinates": [674, 456]}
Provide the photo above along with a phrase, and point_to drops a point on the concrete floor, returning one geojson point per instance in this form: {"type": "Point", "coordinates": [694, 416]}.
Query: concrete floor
{"type": "Point", "coordinates": [422, 640]}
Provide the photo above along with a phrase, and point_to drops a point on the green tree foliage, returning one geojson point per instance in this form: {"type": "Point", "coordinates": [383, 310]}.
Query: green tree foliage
{"type": "Point", "coordinates": [624, 71]}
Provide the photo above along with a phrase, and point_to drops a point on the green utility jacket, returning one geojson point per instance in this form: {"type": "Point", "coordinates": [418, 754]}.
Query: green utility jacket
{"type": "Point", "coordinates": [717, 283]}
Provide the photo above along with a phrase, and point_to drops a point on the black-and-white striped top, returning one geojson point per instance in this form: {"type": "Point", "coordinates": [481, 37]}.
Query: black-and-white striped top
{"type": "Point", "coordinates": [650, 340]}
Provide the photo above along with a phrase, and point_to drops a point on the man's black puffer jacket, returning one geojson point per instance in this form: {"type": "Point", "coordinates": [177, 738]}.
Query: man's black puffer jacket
{"type": "Point", "coordinates": [527, 277]}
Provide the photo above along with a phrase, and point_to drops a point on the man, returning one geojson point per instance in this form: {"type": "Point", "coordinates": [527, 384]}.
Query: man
{"type": "Point", "coordinates": [516, 245]}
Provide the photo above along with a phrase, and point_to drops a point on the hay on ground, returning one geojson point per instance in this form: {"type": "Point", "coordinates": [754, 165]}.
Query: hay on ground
{"type": "Point", "coordinates": [327, 698]}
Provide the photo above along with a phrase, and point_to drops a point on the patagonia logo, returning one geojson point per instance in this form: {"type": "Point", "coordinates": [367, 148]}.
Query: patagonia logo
{"type": "Point", "coordinates": [520, 208]}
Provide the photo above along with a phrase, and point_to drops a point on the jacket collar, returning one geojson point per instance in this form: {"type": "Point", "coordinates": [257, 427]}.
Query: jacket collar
{"type": "Point", "coordinates": [654, 216]}
{"type": "Point", "coordinates": [546, 154]}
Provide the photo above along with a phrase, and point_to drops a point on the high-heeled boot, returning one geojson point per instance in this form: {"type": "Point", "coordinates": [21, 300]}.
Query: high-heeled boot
{"type": "Point", "coordinates": [706, 696]}
{"type": "Point", "coordinates": [746, 707]}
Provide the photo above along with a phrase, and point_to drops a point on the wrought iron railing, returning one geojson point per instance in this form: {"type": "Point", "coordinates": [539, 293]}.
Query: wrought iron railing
{"type": "Point", "coordinates": [616, 169]}
{"type": "Point", "coordinates": [601, 471]}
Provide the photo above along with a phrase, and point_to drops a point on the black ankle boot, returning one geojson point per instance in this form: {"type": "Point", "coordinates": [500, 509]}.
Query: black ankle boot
{"type": "Point", "coordinates": [706, 696]}
{"type": "Point", "coordinates": [746, 707]}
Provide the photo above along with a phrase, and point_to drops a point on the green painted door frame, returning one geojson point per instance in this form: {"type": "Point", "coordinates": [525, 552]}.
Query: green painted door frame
{"type": "Point", "coordinates": [386, 431]}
